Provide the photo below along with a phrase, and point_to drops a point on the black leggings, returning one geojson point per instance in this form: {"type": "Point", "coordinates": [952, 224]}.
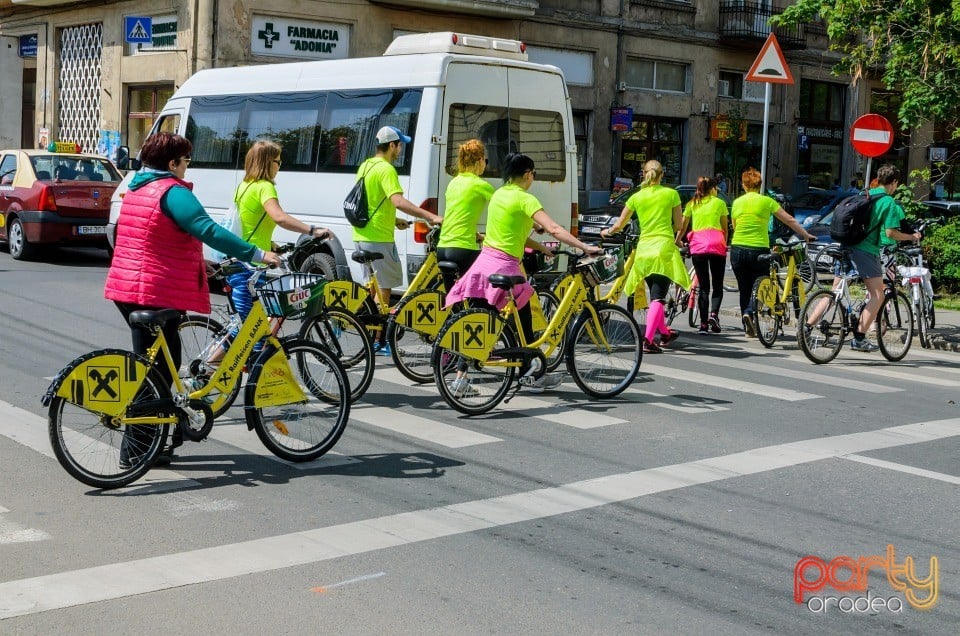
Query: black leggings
{"type": "Point", "coordinates": [709, 268]}
{"type": "Point", "coordinates": [659, 286]}
{"type": "Point", "coordinates": [142, 338]}
{"type": "Point", "coordinates": [747, 268]}
{"type": "Point", "coordinates": [461, 256]}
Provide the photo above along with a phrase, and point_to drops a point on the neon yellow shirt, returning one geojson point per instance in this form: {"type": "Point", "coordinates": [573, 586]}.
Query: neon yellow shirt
{"type": "Point", "coordinates": [510, 219]}
{"type": "Point", "coordinates": [751, 214]}
{"type": "Point", "coordinates": [707, 215]}
{"type": "Point", "coordinates": [251, 197]}
{"type": "Point", "coordinates": [467, 194]}
{"type": "Point", "coordinates": [381, 183]}
{"type": "Point", "coordinates": [654, 206]}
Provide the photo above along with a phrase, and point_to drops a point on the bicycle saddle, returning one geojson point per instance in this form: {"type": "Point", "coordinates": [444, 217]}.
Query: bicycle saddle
{"type": "Point", "coordinates": [147, 317]}
{"type": "Point", "coordinates": [365, 256]}
{"type": "Point", "coordinates": [503, 281]}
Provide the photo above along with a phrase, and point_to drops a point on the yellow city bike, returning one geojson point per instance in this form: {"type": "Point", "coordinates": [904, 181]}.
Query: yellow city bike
{"type": "Point", "coordinates": [779, 294]}
{"type": "Point", "coordinates": [110, 411]}
{"type": "Point", "coordinates": [603, 347]}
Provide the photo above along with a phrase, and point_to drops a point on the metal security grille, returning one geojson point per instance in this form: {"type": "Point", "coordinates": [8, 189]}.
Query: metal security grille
{"type": "Point", "coordinates": [79, 84]}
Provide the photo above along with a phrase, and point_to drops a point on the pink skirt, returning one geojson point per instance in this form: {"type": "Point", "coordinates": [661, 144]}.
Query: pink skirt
{"type": "Point", "coordinates": [475, 283]}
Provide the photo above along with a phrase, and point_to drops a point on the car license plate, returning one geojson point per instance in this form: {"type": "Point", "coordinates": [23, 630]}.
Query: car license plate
{"type": "Point", "coordinates": [92, 229]}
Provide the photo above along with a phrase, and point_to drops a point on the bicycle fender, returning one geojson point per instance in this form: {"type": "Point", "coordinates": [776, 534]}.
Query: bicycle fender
{"type": "Point", "coordinates": [472, 333]}
{"type": "Point", "coordinates": [345, 294]}
{"type": "Point", "coordinates": [275, 382]}
{"type": "Point", "coordinates": [103, 381]}
{"type": "Point", "coordinates": [423, 312]}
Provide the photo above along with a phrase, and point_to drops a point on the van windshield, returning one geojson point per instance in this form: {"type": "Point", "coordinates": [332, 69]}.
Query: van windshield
{"type": "Point", "coordinates": [318, 131]}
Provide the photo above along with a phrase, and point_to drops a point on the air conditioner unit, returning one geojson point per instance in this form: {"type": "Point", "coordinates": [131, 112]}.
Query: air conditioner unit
{"type": "Point", "coordinates": [621, 86]}
{"type": "Point", "coordinates": [723, 88]}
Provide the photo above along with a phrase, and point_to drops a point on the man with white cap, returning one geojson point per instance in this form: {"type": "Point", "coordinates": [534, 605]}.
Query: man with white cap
{"type": "Point", "coordinates": [384, 198]}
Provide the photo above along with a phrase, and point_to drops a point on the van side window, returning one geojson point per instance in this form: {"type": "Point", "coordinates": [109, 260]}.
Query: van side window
{"type": "Point", "coordinates": [536, 133]}
{"type": "Point", "coordinates": [318, 131]}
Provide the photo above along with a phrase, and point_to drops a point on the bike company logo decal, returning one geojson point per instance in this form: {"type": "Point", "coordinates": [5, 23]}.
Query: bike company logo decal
{"type": "Point", "coordinates": [846, 574]}
{"type": "Point", "coordinates": [103, 384]}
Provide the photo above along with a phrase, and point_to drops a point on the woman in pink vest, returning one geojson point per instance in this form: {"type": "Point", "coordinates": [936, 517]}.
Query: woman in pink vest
{"type": "Point", "coordinates": [158, 253]}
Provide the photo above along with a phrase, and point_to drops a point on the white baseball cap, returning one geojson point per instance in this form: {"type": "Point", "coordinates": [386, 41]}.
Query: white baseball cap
{"type": "Point", "coordinates": [388, 133]}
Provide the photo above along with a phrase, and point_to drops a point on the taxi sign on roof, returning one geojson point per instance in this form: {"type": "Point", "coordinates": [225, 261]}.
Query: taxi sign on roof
{"type": "Point", "coordinates": [64, 146]}
{"type": "Point", "coordinates": [770, 66]}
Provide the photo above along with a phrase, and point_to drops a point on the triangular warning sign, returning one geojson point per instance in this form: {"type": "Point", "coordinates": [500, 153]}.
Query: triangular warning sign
{"type": "Point", "coordinates": [770, 66]}
{"type": "Point", "coordinates": [138, 32]}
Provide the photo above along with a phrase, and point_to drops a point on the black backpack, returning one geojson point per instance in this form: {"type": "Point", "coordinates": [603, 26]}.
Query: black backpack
{"type": "Point", "coordinates": [851, 219]}
{"type": "Point", "coordinates": [355, 206]}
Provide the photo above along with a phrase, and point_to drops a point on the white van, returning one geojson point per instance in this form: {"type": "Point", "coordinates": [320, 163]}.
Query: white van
{"type": "Point", "coordinates": [440, 88]}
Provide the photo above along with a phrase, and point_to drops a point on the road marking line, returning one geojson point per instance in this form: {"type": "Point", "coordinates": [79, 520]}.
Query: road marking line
{"type": "Point", "coordinates": [636, 395]}
{"type": "Point", "coordinates": [728, 384]}
{"type": "Point", "coordinates": [419, 427]}
{"type": "Point", "coordinates": [889, 372]}
{"type": "Point", "coordinates": [119, 580]}
{"type": "Point", "coordinates": [12, 532]}
{"type": "Point", "coordinates": [585, 419]}
{"type": "Point", "coordinates": [904, 468]}
{"type": "Point", "coordinates": [808, 376]}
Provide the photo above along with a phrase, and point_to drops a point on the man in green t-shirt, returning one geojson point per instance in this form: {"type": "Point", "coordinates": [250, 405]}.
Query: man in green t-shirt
{"type": "Point", "coordinates": [384, 198]}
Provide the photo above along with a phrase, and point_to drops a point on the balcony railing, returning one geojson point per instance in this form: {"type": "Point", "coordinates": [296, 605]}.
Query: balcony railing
{"type": "Point", "coordinates": [746, 24]}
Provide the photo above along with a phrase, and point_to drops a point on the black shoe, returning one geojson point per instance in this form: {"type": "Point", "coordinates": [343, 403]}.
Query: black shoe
{"type": "Point", "coordinates": [165, 457]}
{"type": "Point", "coordinates": [714, 322]}
{"type": "Point", "coordinates": [670, 337]}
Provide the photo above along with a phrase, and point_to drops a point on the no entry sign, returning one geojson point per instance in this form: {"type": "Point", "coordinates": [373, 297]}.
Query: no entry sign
{"type": "Point", "coordinates": [871, 135]}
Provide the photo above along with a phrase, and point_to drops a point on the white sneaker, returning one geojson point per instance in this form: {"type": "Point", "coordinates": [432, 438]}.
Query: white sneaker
{"type": "Point", "coordinates": [548, 381]}
{"type": "Point", "coordinates": [461, 387]}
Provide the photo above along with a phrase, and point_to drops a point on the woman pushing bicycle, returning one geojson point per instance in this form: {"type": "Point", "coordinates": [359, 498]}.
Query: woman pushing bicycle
{"type": "Point", "coordinates": [158, 255]}
{"type": "Point", "coordinates": [706, 214]}
{"type": "Point", "coordinates": [510, 219]}
{"type": "Point", "coordinates": [658, 260]}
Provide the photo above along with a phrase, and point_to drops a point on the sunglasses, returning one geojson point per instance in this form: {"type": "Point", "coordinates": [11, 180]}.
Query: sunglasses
{"type": "Point", "coordinates": [185, 159]}
{"type": "Point", "coordinates": [278, 162]}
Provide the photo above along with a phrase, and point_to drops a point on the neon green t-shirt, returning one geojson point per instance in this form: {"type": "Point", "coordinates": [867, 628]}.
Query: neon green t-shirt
{"type": "Point", "coordinates": [467, 194]}
{"type": "Point", "coordinates": [887, 214]}
{"type": "Point", "coordinates": [381, 183]}
{"type": "Point", "coordinates": [707, 215]}
{"type": "Point", "coordinates": [654, 206]}
{"type": "Point", "coordinates": [510, 219]}
{"type": "Point", "coordinates": [251, 197]}
{"type": "Point", "coordinates": [751, 214]}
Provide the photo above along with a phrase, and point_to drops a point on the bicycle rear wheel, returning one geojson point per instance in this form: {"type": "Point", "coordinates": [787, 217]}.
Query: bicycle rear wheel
{"type": "Point", "coordinates": [342, 334]}
{"type": "Point", "coordinates": [199, 338]}
{"type": "Point", "coordinates": [894, 326]}
{"type": "Point", "coordinates": [693, 312]}
{"type": "Point", "coordinates": [487, 382]}
{"type": "Point", "coordinates": [604, 353]}
{"type": "Point", "coordinates": [94, 448]}
{"type": "Point", "coordinates": [549, 303]}
{"type": "Point", "coordinates": [822, 340]}
{"type": "Point", "coordinates": [411, 353]}
{"type": "Point", "coordinates": [767, 313]}
{"type": "Point", "coordinates": [300, 432]}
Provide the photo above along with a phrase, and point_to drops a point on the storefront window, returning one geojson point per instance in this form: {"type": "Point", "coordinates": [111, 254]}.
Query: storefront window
{"type": "Point", "coordinates": [652, 138]}
{"type": "Point", "coordinates": [820, 135]}
{"type": "Point", "coordinates": [143, 104]}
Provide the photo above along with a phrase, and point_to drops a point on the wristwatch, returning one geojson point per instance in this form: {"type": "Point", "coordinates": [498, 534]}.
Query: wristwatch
{"type": "Point", "coordinates": [313, 228]}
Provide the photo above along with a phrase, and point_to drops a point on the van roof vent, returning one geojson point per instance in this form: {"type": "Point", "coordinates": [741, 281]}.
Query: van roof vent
{"type": "Point", "coordinates": [462, 43]}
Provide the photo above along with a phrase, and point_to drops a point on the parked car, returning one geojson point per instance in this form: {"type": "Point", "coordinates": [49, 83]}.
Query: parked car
{"type": "Point", "coordinates": [946, 209]}
{"type": "Point", "coordinates": [813, 205]}
{"type": "Point", "coordinates": [593, 220]}
{"type": "Point", "coordinates": [54, 198]}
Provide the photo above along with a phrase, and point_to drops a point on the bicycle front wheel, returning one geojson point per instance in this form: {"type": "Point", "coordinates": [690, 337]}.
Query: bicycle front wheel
{"type": "Point", "coordinates": [822, 327]}
{"type": "Point", "coordinates": [342, 334]}
{"type": "Point", "coordinates": [765, 298]}
{"type": "Point", "coordinates": [693, 313]}
{"type": "Point", "coordinates": [302, 431]}
{"type": "Point", "coordinates": [604, 351]}
{"type": "Point", "coordinates": [99, 450]}
{"type": "Point", "coordinates": [894, 326]}
{"type": "Point", "coordinates": [199, 340]}
{"type": "Point", "coordinates": [549, 303]}
{"type": "Point", "coordinates": [466, 384]}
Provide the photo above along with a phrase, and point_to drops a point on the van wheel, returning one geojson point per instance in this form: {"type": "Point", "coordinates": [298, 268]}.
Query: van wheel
{"type": "Point", "coordinates": [20, 248]}
{"type": "Point", "coordinates": [320, 263]}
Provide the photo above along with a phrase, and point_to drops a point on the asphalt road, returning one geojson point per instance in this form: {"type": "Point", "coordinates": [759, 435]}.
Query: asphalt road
{"type": "Point", "coordinates": [682, 507]}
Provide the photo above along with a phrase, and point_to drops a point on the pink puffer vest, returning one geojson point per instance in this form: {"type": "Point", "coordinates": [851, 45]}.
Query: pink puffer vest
{"type": "Point", "coordinates": [155, 263]}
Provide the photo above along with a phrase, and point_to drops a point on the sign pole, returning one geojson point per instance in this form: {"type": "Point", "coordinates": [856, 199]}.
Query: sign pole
{"type": "Point", "coordinates": [766, 125]}
{"type": "Point", "coordinates": [872, 136]}
{"type": "Point", "coordinates": [866, 179]}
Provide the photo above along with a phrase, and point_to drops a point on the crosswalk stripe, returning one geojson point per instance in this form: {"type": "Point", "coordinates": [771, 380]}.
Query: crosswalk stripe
{"type": "Point", "coordinates": [890, 371]}
{"type": "Point", "coordinates": [728, 384]}
{"type": "Point", "coordinates": [217, 563]}
{"type": "Point", "coordinates": [808, 376]}
{"type": "Point", "coordinates": [419, 427]}
{"type": "Point", "coordinates": [903, 468]}
{"type": "Point", "coordinates": [637, 395]}
{"type": "Point", "coordinates": [237, 435]}
{"type": "Point", "coordinates": [581, 419]}
{"type": "Point", "coordinates": [11, 532]}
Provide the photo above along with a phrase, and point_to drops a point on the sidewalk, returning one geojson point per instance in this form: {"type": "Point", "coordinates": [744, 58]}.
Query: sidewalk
{"type": "Point", "coordinates": [945, 336]}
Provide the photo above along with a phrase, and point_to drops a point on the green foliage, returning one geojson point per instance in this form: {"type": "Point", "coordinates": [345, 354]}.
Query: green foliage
{"type": "Point", "coordinates": [942, 247]}
{"type": "Point", "coordinates": [913, 46]}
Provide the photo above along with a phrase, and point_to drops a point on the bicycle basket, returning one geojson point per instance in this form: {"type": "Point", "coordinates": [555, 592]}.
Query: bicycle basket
{"type": "Point", "coordinates": [600, 269]}
{"type": "Point", "coordinates": [292, 295]}
{"type": "Point", "coordinates": [535, 261]}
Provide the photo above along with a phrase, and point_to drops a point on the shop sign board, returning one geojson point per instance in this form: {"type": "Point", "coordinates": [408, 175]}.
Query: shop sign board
{"type": "Point", "coordinates": [621, 119]}
{"type": "Point", "coordinates": [277, 36]}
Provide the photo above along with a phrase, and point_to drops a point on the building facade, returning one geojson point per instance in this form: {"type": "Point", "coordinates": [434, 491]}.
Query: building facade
{"type": "Point", "coordinates": [648, 79]}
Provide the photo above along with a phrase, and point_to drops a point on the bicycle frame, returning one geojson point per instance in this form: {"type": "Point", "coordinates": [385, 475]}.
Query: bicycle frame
{"type": "Point", "coordinates": [784, 289]}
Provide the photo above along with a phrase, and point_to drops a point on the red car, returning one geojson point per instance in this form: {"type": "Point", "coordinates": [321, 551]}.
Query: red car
{"type": "Point", "coordinates": [54, 198]}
